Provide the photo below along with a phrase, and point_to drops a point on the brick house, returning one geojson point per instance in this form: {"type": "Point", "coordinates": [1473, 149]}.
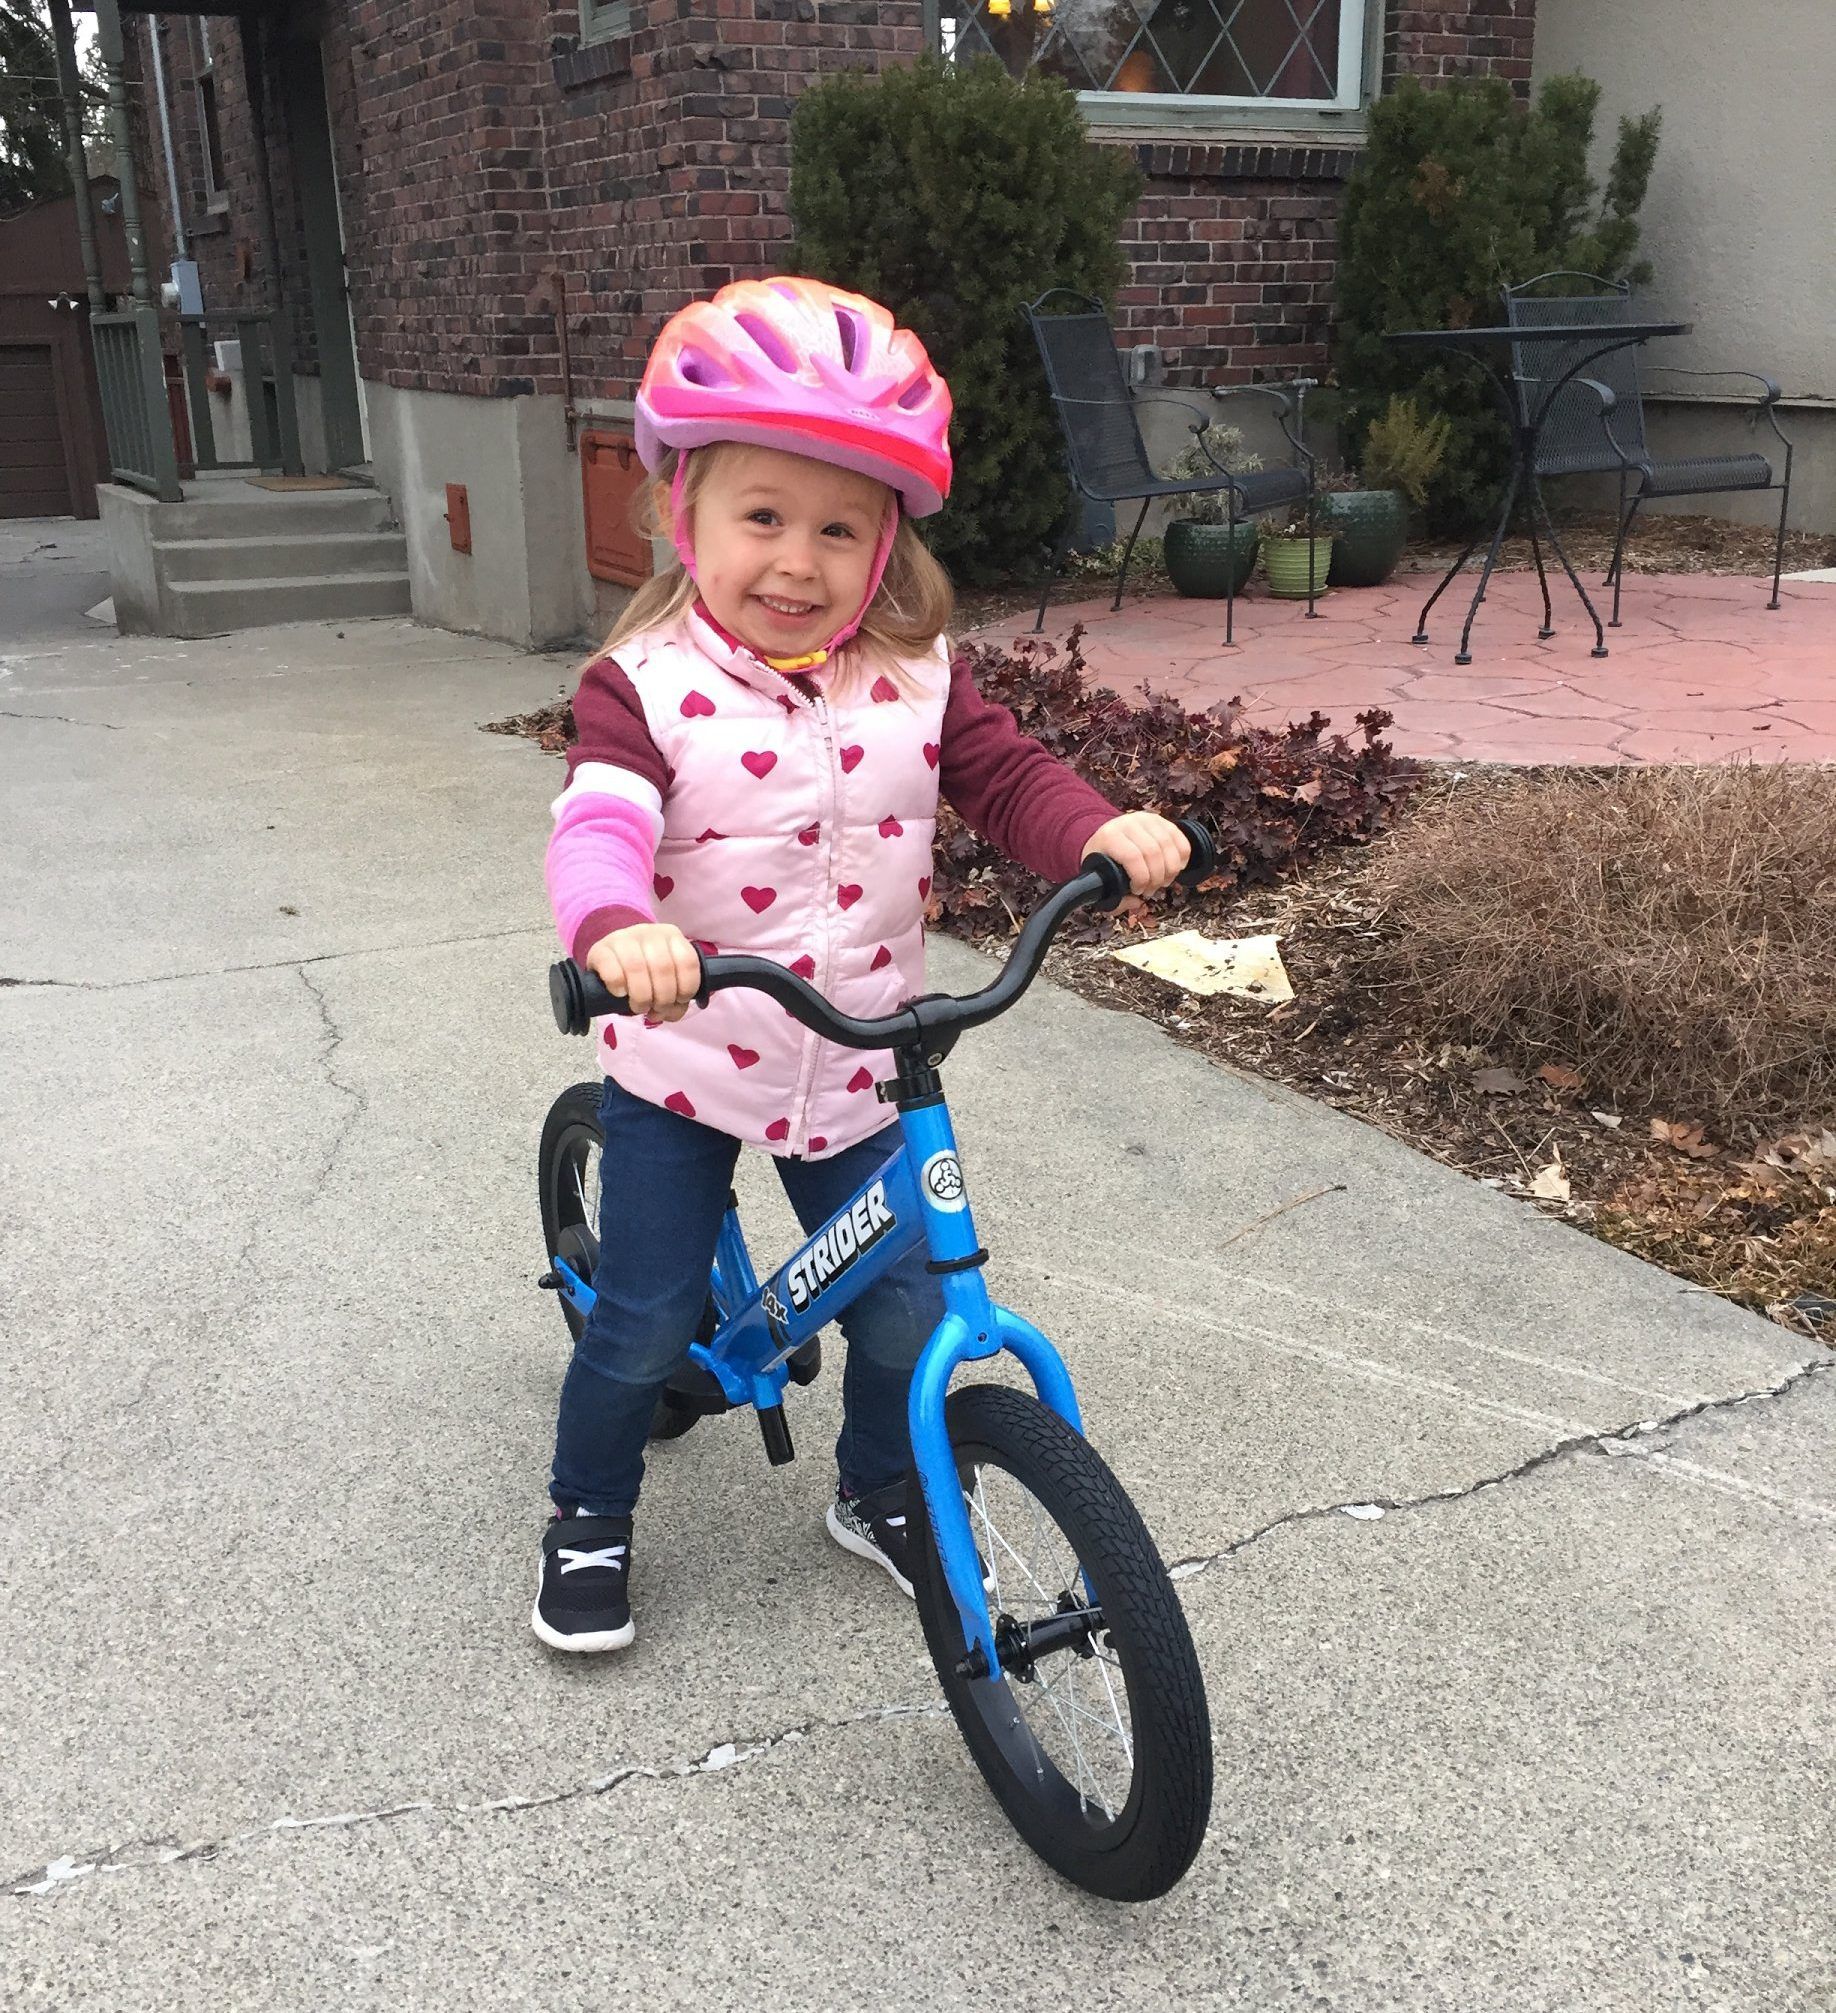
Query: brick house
{"type": "Point", "coordinates": [477, 224]}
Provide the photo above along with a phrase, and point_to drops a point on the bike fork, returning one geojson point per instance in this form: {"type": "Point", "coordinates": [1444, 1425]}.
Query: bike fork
{"type": "Point", "coordinates": [973, 1328]}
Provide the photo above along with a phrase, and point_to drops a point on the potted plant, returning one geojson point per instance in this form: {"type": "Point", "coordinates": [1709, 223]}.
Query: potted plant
{"type": "Point", "coordinates": [1204, 557]}
{"type": "Point", "coordinates": [1296, 564]}
{"type": "Point", "coordinates": [1403, 453]}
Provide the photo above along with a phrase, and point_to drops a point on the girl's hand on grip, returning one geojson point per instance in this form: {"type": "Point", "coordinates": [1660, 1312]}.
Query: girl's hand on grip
{"type": "Point", "coordinates": [653, 965]}
{"type": "Point", "coordinates": [1150, 849]}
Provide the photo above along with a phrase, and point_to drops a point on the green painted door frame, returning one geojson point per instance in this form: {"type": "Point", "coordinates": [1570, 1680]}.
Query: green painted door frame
{"type": "Point", "coordinates": [309, 131]}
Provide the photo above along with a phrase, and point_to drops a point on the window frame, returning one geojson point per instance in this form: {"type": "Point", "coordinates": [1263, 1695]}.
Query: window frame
{"type": "Point", "coordinates": [1169, 115]}
{"type": "Point", "coordinates": [603, 21]}
{"type": "Point", "coordinates": [210, 134]}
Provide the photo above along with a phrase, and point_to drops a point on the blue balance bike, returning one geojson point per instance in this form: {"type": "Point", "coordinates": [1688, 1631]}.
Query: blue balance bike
{"type": "Point", "coordinates": [1056, 1634]}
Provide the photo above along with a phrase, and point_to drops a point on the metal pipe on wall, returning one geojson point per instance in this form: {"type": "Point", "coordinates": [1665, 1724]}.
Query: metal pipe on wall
{"type": "Point", "coordinates": [154, 26]}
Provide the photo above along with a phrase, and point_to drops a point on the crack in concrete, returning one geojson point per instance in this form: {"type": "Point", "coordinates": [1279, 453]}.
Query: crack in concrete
{"type": "Point", "coordinates": [279, 964]}
{"type": "Point", "coordinates": [1616, 1440]}
{"type": "Point", "coordinates": [63, 720]}
{"type": "Point", "coordinates": [141, 1855]}
{"type": "Point", "coordinates": [144, 1854]}
{"type": "Point", "coordinates": [359, 1099]}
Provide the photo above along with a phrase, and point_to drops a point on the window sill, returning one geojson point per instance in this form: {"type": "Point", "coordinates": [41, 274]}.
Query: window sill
{"type": "Point", "coordinates": [594, 62]}
{"type": "Point", "coordinates": [1111, 114]}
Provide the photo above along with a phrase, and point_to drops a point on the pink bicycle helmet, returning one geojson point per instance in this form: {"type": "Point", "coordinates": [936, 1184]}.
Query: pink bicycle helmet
{"type": "Point", "coordinates": [804, 366]}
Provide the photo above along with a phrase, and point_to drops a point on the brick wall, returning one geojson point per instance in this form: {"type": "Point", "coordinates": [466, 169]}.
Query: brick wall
{"type": "Point", "coordinates": [1493, 37]}
{"type": "Point", "coordinates": [228, 242]}
{"type": "Point", "coordinates": [669, 152]}
{"type": "Point", "coordinates": [1232, 252]}
{"type": "Point", "coordinates": [479, 150]}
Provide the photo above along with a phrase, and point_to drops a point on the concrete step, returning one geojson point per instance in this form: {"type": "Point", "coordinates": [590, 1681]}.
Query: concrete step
{"type": "Point", "coordinates": [207, 607]}
{"type": "Point", "coordinates": [293, 556]}
{"type": "Point", "coordinates": [225, 511]}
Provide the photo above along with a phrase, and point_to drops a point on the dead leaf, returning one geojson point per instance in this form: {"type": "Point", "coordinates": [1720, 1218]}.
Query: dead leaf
{"type": "Point", "coordinates": [1551, 1182]}
{"type": "Point", "coordinates": [1563, 1077]}
{"type": "Point", "coordinates": [1497, 1082]}
{"type": "Point", "coordinates": [1685, 1138]}
{"type": "Point", "coordinates": [1798, 1153]}
{"type": "Point", "coordinates": [1610, 1119]}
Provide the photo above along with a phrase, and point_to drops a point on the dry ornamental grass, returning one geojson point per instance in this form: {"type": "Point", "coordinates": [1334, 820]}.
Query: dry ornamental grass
{"type": "Point", "coordinates": [1669, 932]}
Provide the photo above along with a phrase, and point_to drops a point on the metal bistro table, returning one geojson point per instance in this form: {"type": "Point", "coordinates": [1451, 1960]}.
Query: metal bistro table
{"type": "Point", "coordinates": [1527, 403]}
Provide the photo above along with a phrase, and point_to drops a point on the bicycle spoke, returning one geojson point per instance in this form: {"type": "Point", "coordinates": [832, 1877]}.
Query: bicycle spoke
{"type": "Point", "coordinates": [999, 1542]}
{"type": "Point", "coordinates": [1088, 1735]}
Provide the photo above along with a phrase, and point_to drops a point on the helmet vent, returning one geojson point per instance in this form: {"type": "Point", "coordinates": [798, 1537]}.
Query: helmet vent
{"type": "Point", "coordinates": [699, 368]}
{"type": "Point", "coordinates": [916, 393]}
{"type": "Point", "coordinates": [769, 340]}
{"type": "Point", "coordinates": [848, 327]}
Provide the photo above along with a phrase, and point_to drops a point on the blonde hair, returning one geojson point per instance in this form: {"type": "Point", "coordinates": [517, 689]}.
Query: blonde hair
{"type": "Point", "coordinates": [910, 609]}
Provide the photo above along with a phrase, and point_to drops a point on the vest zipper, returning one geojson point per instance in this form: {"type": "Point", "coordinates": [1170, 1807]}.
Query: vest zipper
{"type": "Point", "coordinates": [812, 1046]}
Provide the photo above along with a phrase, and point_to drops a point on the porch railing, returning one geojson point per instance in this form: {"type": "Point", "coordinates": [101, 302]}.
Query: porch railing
{"type": "Point", "coordinates": [266, 344]}
{"type": "Point", "coordinates": [131, 372]}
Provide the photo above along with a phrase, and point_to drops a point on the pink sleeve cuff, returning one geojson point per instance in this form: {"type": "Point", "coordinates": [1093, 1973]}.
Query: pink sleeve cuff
{"type": "Point", "coordinates": [601, 923]}
{"type": "Point", "coordinates": [601, 856]}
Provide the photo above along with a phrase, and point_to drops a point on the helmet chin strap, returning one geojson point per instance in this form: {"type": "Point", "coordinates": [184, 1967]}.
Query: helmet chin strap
{"type": "Point", "coordinates": [814, 659]}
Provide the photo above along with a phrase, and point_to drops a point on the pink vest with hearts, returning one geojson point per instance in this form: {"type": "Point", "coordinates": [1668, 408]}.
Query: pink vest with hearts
{"type": "Point", "coordinates": [795, 828]}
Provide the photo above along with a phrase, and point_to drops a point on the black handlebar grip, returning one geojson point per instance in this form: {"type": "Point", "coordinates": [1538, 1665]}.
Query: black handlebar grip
{"type": "Point", "coordinates": [1113, 876]}
{"type": "Point", "coordinates": [579, 998]}
{"type": "Point", "coordinates": [1204, 861]}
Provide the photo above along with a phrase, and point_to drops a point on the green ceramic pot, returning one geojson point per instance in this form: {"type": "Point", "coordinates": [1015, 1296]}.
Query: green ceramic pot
{"type": "Point", "coordinates": [1371, 527]}
{"type": "Point", "coordinates": [1209, 560]}
{"type": "Point", "coordinates": [1287, 562]}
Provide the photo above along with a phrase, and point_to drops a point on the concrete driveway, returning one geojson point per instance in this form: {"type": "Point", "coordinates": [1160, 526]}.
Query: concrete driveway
{"type": "Point", "coordinates": [1509, 1560]}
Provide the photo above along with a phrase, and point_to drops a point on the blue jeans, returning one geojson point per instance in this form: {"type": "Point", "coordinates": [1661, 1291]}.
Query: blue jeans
{"type": "Point", "coordinates": [664, 1182]}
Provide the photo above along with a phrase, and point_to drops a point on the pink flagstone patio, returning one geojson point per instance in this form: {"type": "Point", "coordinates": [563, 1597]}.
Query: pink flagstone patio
{"type": "Point", "coordinates": [1700, 671]}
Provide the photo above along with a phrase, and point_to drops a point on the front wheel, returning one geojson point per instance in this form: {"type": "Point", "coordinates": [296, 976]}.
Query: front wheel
{"type": "Point", "coordinates": [1094, 1735]}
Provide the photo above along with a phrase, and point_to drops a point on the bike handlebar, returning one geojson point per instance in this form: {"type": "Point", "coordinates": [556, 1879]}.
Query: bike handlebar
{"type": "Point", "coordinates": [579, 997]}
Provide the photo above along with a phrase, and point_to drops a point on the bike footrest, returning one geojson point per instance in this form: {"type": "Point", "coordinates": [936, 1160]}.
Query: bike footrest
{"type": "Point", "coordinates": [697, 1390]}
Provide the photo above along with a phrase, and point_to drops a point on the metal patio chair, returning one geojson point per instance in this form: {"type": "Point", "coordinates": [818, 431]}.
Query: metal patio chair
{"type": "Point", "coordinates": [1596, 421]}
{"type": "Point", "coordinates": [1103, 447]}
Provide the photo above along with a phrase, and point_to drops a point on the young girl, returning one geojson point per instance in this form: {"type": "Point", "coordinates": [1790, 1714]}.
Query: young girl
{"type": "Point", "coordinates": [762, 744]}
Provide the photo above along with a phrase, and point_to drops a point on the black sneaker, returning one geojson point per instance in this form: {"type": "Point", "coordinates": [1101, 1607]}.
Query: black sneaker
{"type": "Point", "coordinates": [580, 1598]}
{"type": "Point", "coordinates": [872, 1526]}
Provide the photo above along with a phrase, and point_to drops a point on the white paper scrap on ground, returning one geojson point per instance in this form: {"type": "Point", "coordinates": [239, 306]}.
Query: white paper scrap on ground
{"type": "Point", "coordinates": [1250, 967]}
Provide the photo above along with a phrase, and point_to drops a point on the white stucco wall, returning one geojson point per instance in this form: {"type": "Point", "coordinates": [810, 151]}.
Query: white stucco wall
{"type": "Point", "coordinates": [1738, 220]}
{"type": "Point", "coordinates": [525, 579]}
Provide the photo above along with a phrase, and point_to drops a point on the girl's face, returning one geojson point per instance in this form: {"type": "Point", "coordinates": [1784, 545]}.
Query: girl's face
{"type": "Point", "coordinates": [784, 546]}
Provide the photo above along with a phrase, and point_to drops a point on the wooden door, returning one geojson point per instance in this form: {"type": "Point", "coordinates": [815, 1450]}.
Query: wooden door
{"type": "Point", "coordinates": [34, 455]}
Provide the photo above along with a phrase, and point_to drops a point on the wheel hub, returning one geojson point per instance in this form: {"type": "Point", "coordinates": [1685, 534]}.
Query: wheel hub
{"type": "Point", "coordinates": [1072, 1625]}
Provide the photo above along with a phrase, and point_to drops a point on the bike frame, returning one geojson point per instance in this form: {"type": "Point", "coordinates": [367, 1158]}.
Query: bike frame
{"type": "Point", "coordinates": [918, 1196]}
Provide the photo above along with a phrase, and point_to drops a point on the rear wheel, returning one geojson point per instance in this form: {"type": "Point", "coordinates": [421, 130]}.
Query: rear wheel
{"type": "Point", "coordinates": [567, 1172]}
{"type": "Point", "coordinates": [1094, 1735]}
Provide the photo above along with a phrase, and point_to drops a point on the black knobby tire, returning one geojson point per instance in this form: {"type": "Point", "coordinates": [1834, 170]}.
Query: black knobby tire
{"type": "Point", "coordinates": [571, 1135]}
{"type": "Point", "coordinates": [1143, 1841]}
